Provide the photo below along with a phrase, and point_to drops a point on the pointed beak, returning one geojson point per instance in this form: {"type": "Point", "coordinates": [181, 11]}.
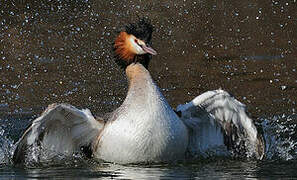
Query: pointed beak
{"type": "Point", "coordinates": [149, 50]}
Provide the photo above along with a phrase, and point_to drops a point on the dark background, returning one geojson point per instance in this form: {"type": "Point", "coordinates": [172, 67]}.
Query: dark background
{"type": "Point", "coordinates": [61, 51]}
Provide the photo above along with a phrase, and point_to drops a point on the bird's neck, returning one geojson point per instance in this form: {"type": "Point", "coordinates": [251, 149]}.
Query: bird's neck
{"type": "Point", "coordinates": [142, 89]}
{"type": "Point", "coordinates": [143, 59]}
{"type": "Point", "coordinates": [138, 77]}
{"type": "Point", "coordinates": [144, 99]}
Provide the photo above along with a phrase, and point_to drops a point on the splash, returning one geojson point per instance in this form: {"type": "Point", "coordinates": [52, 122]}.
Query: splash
{"type": "Point", "coordinates": [280, 136]}
{"type": "Point", "coordinates": [39, 157]}
{"type": "Point", "coordinates": [6, 148]}
{"type": "Point", "coordinates": [279, 132]}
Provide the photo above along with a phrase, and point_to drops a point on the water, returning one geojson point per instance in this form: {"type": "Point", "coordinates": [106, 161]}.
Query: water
{"type": "Point", "coordinates": [61, 52]}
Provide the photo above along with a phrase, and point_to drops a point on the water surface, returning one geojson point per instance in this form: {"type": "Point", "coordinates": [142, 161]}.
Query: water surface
{"type": "Point", "coordinates": [61, 51]}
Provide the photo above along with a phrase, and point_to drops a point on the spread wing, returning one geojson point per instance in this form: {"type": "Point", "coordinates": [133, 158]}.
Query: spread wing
{"type": "Point", "coordinates": [61, 128]}
{"type": "Point", "coordinates": [216, 119]}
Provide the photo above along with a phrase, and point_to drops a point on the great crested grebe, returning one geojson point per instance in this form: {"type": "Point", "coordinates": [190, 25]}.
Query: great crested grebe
{"type": "Point", "coordinates": [145, 129]}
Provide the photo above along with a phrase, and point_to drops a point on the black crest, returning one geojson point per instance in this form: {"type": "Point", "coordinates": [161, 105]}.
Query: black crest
{"type": "Point", "coordinates": [142, 29]}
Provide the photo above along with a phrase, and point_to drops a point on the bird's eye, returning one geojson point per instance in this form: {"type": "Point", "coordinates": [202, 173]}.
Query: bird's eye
{"type": "Point", "coordinates": [135, 40]}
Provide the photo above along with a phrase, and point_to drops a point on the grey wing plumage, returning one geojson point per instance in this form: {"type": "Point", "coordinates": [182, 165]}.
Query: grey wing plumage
{"type": "Point", "coordinates": [61, 128]}
{"type": "Point", "coordinates": [215, 118]}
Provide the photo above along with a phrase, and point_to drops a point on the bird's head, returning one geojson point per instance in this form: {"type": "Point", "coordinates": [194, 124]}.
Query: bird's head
{"type": "Point", "coordinates": [133, 44]}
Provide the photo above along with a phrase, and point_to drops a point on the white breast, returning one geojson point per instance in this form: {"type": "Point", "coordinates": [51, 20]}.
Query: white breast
{"type": "Point", "coordinates": [146, 138]}
{"type": "Point", "coordinates": [144, 129]}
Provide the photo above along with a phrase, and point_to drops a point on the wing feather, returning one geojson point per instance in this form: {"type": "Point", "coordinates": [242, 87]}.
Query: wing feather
{"type": "Point", "coordinates": [61, 128]}
{"type": "Point", "coordinates": [216, 118]}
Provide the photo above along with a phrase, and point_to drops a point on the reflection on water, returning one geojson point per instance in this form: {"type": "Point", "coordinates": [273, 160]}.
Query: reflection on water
{"type": "Point", "coordinates": [207, 169]}
{"type": "Point", "coordinates": [61, 52]}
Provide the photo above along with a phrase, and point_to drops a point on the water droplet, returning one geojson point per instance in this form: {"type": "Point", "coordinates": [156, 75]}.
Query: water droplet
{"type": "Point", "coordinates": [283, 88]}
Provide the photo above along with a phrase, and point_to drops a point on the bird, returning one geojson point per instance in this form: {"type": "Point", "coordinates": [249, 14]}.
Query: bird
{"type": "Point", "coordinates": [145, 128]}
